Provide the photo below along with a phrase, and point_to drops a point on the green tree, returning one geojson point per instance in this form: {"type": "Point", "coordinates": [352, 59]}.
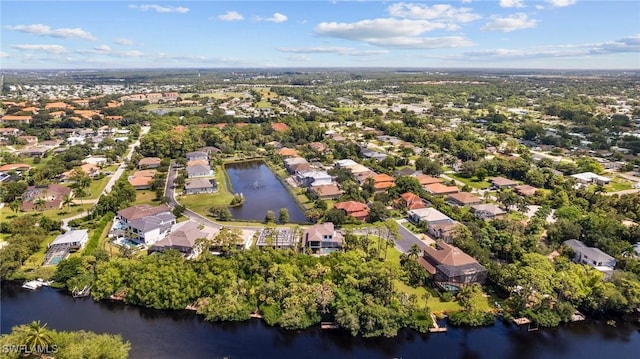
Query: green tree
{"type": "Point", "coordinates": [283, 215]}
{"type": "Point", "coordinates": [38, 338]}
{"type": "Point", "coordinates": [270, 217]}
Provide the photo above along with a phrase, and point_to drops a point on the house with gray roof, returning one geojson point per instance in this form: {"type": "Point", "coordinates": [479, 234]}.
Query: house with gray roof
{"type": "Point", "coordinates": [183, 237]}
{"type": "Point", "coordinates": [592, 256]}
{"type": "Point", "coordinates": [200, 185]}
{"type": "Point", "coordinates": [150, 229]}
{"type": "Point", "coordinates": [197, 155]}
{"type": "Point", "coordinates": [430, 216]}
{"type": "Point", "coordinates": [487, 211]}
{"type": "Point", "coordinates": [199, 171]}
{"type": "Point", "coordinates": [322, 239]}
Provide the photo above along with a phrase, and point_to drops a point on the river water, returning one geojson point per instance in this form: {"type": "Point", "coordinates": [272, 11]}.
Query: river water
{"type": "Point", "coordinates": [262, 192]}
{"type": "Point", "coordinates": [182, 334]}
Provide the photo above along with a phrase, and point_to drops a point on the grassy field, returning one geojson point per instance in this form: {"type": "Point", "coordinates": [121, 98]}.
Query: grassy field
{"type": "Point", "coordinates": [96, 187]}
{"type": "Point", "coordinates": [146, 197]}
{"type": "Point", "coordinates": [263, 104]}
{"type": "Point", "coordinates": [56, 214]}
{"type": "Point", "coordinates": [472, 182]}
{"type": "Point", "coordinates": [618, 184]}
{"type": "Point", "coordinates": [200, 203]}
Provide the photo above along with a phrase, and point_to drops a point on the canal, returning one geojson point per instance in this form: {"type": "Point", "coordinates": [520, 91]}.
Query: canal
{"type": "Point", "coordinates": [183, 334]}
{"type": "Point", "coordinates": [262, 190]}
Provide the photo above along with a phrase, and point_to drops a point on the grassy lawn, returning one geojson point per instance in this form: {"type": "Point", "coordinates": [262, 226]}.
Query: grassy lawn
{"type": "Point", "coordinates": [32, 267]}
{"type": "Point", "coordinates": [618, 184]}
{"type": "Point", "coordinates": [472, 182]}
{"type": "Point", "coordinates": [96, 187]}
{"type": "Point", "coordinates": [200, 203]}
{"type": "Point", "coordinates": [146, 197]}
{"type": "Point", "coordinates": [56, 214]}
{"type": "Point", "coordinates": [263, 104]}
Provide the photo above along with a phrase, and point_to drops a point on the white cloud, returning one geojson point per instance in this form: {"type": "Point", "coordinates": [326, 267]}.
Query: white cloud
{"type": "Point", "coordinates": [561, 3]}
{"type": "Point", "coordinates": [298, 58]}
{"type": "Point", "coordinates": [346, 51]}
{"type": "Point", "coordinates": [277, 18]}
{"type": "Point", "coordinates": [124, 42]}
{"type": "Point", "coordinates": [510, 23]}
{"type": "Point", "coordinates": [422, 42]}
{"type": "Point", "coordinates": [377, 28]}
{"type": "Point", "coordinates": [132, 53]}
{"type": "Point", "coordinates": [627, 44]}
{"type": "Point", "coordinates": [4, 54]}
{"type": "Point", "coordinates": [44, 30]}
{"type": "Point", "coordinates": [439, 12]}
{"type": "Point", "coordinates": [467, 1]}
{"type": "Point", "coordinates": [161, 9]}
{"type": "Point", "coordinates": [511, 3]}
{"type": "Point", "coordinates": [231, 16]}
{"type": "Point", "coordinates": [51, 49]}
{"type": "Point", "coordinates": [102, 49]}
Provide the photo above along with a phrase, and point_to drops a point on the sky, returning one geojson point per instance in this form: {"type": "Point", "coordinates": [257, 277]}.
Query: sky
{"type": "Point", "coordinates": [551, 34]}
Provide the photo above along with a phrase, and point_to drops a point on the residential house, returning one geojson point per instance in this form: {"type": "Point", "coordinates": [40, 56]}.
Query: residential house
{"type": "Point", "coordinates": [209, 150]}
{"type": "Point", "coordinates": [144, 223]}
{"type": "Point", "coordinates": [33, 151]}
{"type": "Point", "coordinates": [330, 191]}
{"type": "Point", "coordinates": [319, 147]}
{"type": "Point", "coordinates": [487, 211]}
{"type": "Point", "coordinates": [525, 190]}
{"type": "Point", "coordinates": [73, 240]}
{"type": "Point", "coordinates": [463, 199]}
{"type": "Point", "coordinates": [199, 171]}
{"type": "Point", "coordinates": [322, 238]}
{"type": "Point", "coordinates": [142, 179]}
{"type": "Point", "coordinates": [369, 153]}
{"type": "Point", "coordinates": [591, 178]}
{"type": "Point", "coordinates": [197, 162]}
{"type": "Point", "coordinates": [149, 162]}
{"type": "Point", "coordinates": [406, 171]}
{"type": "Point", "coordinates": [451, 268]}
{"type": "Point", "coordinates": [354, 209]}
{"type": "Point", "coordinates": [445, 231]}
{"type": "Point", "coordinates": [279, 126]}
{"type": "Point", "coordinates": [44, 197]}
{"type": "Point", "coordinates": [95, 160]}
{"type": "Point", "coordinates": [15, 120]}
{"type": "Point", "coordinates": [410, 201]}
{"type": "Point", "coordinates": [29, 140]}
{"type": "Point", "coordinates": [429, 216]}
{"type": "Point", "coordinates": [197, 155]}
{"type": "Point", "coordinates": [288, 152]}
{"type": "Point", "coordinates": [9, 131]}
{"type": "Point", "coordinates": [426, 180]}
{"type": "Point", "coordinates": [183, 237]}
{"type": "Point", "coordinates": [439, 189]}
{"type": "Point", "coordinates": [383, 182]}
{"type": "Point", "coordinates": [296, 164]}
{"type": "Point", "coordinates": [200, 185]}
{"type": "Point", "coordinates": [592, 256]}
{"type": "Point", "coordinates": [501, 182]}
{"type": "Point", "coordinates": [314, 178]}
{"type": "Point", "coordinates": [23, 167]}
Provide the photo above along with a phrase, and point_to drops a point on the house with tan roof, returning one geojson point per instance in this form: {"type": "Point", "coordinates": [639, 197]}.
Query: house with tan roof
{"type": "Point", "coordinates": [357, 210]}
{"type": "Point", "coordinates": [322, 238]}
{"type": "Point", "coordinates": [487, 211]}
{"type": "Point", "coordinates": [51, 196]}
{"type": "Point", "coordinates": [149, 162]}
{"type": "Point", "coordinates": [382, 182]}
{"type": "Point", "coordinates": [15, 120]}
{"type": "Point", "coordinates": [426, 180]}
{"type": "Point", "coordinates": [142, 179]}
{"type": "Point", "coordinates": [463, 199]}
{"type": "Point", "coordinates": [451, 268]}
{"type": "Point", "coordinates": [183, 237]}
{"type": "Point", "coordinates": [57, 106]}
{"type": "Point", "coordinates": [200, 185]}
{"type": "Point", "coordinates": [9, 131]}
{"type": "Point", "coordinates": [439, 189]}
{"type": "Point", "coordinates": [428, 216]}
{"type": "Point", "coordinates": [15, 167]}
{"type": "Point", "coordinates": [525, 190]}
{"type": "Point", "coordinates": [287, 152]}
{"type": "Point", "coordinates": [29, 140]}
{"type": "Point", "coordinates": [501, 182]}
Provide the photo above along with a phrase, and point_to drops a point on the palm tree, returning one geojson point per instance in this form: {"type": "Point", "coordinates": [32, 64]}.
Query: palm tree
{"type": "Point", "coordinates": [15, 205]}
{"type": "Point", "coordinates": [414, 251]}
{"type": "Point", "coordinates": [39, 204]}
{"type": "Point", "coordinates": [67, 200]}
{"type": "Point", "coordinates": [38, 337]}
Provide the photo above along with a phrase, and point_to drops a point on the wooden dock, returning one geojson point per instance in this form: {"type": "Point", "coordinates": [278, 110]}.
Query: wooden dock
{"type": "Point", "coordinates": [522, 321]}
{"type": "Point", "coordinates": [436, 328]}
{"type": "Point", "coordinates": [77, 293]}
{"type": "Point", "coordinates": [256, 315]}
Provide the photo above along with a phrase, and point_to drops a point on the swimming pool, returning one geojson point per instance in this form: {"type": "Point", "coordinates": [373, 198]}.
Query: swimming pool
{"type": "Point", "coordinates": [126, 242]}
{"type": "Point", "coordinates": [57, 259]}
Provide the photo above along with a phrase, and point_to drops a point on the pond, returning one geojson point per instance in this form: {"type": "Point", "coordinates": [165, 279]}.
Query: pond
{"type": "Point", "coordinates": [262, 191]}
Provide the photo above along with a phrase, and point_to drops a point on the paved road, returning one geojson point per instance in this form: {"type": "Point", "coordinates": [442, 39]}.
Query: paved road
{"type": "Point", "coordinates": [112, 181]}
{"type": "Point", "coordinates": [407, 238]}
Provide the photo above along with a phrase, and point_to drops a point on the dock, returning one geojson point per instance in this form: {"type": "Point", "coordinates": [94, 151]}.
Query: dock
{"type": "Point", "coordinates": [522, 321]}
{"type": "Point", "coordinates": [84, 292]}
{"type": "Point", "coordinates": [256, 315]}
{"type": "Point", "coordinates": [436, 327]}
{"type": "Point", "coordinates": [35, 284]}
{"type": "Point", "coordinates": [577, 316]}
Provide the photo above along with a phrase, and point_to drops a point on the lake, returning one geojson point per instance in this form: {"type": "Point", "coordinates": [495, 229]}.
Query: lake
{"type": "Point", "coordinates": [262, 190]}
{"type": "Point", "coordinates": [183, 334]}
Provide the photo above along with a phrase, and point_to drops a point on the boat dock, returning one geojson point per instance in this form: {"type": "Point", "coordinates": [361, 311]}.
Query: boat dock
{"type": "Point", "coordinates": [81, 293]}
{"type": "Point", "coordinates": [36, 284]}
{"type": "Point", "coordinates": [436, 327]}
{"type": "Point", "coordinates": [329, 325]}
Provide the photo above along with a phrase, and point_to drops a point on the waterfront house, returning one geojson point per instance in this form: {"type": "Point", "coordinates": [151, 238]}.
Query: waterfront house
{"type": "Point", "coordinates": [183, 237]}
{"type": "Point", "coordinates": [330, 191]}
{"type": "Point", "coordinates": [197, 155]}
{"type": "Point", "coordinates": [451, 269]}
{"type": "Point", "coordinates": [296, 164]}
{"type": "Point", "coordinates": [314, 178]}
{"type": "Point", "coordinates": [200, 185]}
{"type": "Point", "coordinates": [322, 238]}
{"type": "Point", "coordinates": [592, 256]}
{"type": "Point", "coordinates": [199, 171]}
{"type": "Point", "coordinates": [150, 229]}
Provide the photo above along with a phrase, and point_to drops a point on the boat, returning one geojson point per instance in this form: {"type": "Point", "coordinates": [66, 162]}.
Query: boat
{"type": "Point", "coordinates": [35, 284]}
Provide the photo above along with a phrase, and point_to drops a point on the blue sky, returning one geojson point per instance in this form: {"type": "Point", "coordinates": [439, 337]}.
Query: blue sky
{"type": "Point", "coordinates": [561, 34]}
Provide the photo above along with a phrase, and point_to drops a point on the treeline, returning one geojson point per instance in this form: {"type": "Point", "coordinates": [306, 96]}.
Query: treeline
{"type": "Point", "coordinates": [290, 290]}
{"type": "Point", "coordinates": [26, 234]}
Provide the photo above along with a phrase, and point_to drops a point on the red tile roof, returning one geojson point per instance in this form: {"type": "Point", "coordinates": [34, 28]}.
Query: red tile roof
{"type": "Point", "coordinates": [279, 126]}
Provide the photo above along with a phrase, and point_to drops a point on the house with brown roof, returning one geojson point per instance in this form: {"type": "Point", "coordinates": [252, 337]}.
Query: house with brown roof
{"type": "Point", "coordinates": [318, 147]}
{"type": "Point", "coordinates": [463, 199]}
{"type": "Point", "coordinates": [357, 210]}
{"type": "Point", "coordinates": [322, 238]}
{"type": "Point", "coordinates": [330, 191]}
{"type": "Point", "coordinates": [142, 179]}
{"type": "Point", "coordinates": [501, 182]}
{"type": "Point", "coordinates": [15, 167]}
{"type": "Point", "coordinates": [410, 201]}
{"type": "Point", "coordinates": [426, 180]}
{"type": "Point", "coordinates": [9, 131]}
{"type": "Point", "coordinates": [140, 211]}
{"type": "Point", "coordinates": [57, 106]}
{"type": "Point", "coordinates": [445, 231]}
{"type": "Point", "coordinates": [439, 189]}
{"type": "Point", "coordinates": [87, 114]}
{"type": "Point", "coordinates": [51, 197]}
{"type": "Point", "coordinates": [279, 126]}
{"type": "Point", "coordinates": [525, 190]}
{"type": "Point", "coordinates": [287, 152]}
{"type": "Point", "coordinates": [451, 268]}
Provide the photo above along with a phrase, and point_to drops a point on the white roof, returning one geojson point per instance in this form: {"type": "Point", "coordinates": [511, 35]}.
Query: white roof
{"type": "Point", "coordinates": [430, 214]}
{"type": "Point", "coordinates": [590, 176]}
{"type": "Point", "coordinates": [346, 163]}
{"type": "Point", "coordinates": [72, 236]}
{"type": "Point", "coordinates": [316, 174]}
